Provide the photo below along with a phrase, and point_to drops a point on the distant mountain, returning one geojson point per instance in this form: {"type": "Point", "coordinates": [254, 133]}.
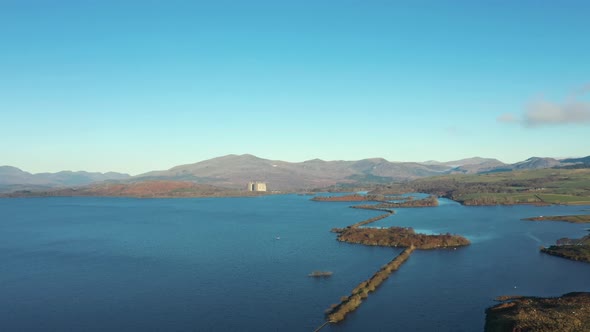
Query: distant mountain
{"type": "Point", "coordinates": [236, 170]}
{"type": "Point", "coordinates": [464, 162]}
{"type": "Point", "coordinates": [584, 160]}
{"type": "Point", "coordinates": [536, 163]}
{"type": "Point", "coordinates": [12, 178]}
{"type": "Point", "coordinates": [573, 163]}
{"type": "Point", "coordinates": [486, 166]}
{"type": "Point", "coordinates": [531, 163]}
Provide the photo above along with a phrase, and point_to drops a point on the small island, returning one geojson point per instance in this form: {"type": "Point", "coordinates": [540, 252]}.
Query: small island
{"type": "Point", "coordinates": [320, 274]}
{"type": "Point", "coordinates": [570, 312]}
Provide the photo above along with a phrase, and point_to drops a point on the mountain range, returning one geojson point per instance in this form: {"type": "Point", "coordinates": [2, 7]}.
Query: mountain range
{"type": "Point", "coordinates": [12, 178]}
{"type": "Point", "coordinates": [234, 171]}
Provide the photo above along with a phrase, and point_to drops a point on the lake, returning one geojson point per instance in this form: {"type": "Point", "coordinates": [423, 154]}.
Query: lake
{"type": "Point", "coordinates": [241, 264]}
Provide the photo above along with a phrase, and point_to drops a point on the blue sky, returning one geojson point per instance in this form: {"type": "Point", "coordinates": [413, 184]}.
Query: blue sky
{"type": "Point", "coordinates": [134, 86]}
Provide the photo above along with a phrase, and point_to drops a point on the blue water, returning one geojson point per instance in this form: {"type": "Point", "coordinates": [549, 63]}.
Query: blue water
{"type": "Point", "coordinates": [98, 264]}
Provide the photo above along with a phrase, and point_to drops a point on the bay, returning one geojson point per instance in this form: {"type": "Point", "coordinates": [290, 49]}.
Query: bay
{"type": "Point", "coordinates": [241, 264]}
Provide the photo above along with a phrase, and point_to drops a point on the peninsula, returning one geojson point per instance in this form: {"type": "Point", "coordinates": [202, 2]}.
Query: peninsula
{"type": "Point", "coordinates": [568, 313]}
{"type": "Point", "coordinates": [574, 249]}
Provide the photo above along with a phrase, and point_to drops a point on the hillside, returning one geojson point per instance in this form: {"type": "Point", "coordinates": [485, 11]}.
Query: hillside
{"type": "Point", "coordinates": [235, 170]}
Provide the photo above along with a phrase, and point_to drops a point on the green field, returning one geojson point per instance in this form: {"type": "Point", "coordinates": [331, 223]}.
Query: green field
{"type": "Point", "coordinates": [545, 186]}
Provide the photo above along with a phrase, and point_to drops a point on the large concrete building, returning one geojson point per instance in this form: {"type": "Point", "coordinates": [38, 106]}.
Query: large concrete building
{"type": "Point", "coordinates": [256, 186]}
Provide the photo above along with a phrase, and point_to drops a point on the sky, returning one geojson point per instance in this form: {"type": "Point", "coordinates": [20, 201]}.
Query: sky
{"type": "Point", "coordinates": [135, 86]}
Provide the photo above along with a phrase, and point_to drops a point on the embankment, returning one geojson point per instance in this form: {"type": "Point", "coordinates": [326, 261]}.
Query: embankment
{"type": "Point", "coordinates": [348, 304]}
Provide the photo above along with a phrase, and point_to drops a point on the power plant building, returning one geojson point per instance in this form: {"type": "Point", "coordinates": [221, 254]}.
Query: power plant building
{"type": "Point", "coordinates": [256, 186]}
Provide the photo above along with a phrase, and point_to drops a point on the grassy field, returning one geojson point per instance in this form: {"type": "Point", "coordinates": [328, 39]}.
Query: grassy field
{"type": "Point", "coordinates": [545, 186]}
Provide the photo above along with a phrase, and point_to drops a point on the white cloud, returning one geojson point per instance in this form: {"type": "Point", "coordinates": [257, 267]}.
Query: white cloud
{"type": "Point", "coordinates": [548, 113]}
{"type": "Point", "coordinates": [542, 112]}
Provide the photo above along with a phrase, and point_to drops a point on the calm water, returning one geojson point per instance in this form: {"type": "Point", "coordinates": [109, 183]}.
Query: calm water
{"type": "Point", "coordinates": [216, 264]}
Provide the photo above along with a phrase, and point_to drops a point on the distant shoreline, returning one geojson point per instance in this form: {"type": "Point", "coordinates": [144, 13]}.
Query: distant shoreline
{"type": "Point", "coordinates": [145, 189]}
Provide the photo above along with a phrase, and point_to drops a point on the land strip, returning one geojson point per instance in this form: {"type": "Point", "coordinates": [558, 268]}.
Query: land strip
{"type": "Point", "coordinates": [576, 219]}
{"type": "Point", "coordinates": [348, 304]}
{"type": "Point", "coordinates": [362, 198]}
{"type": "Point", "coordinates": [366, 222]}
{"type": "Point", "coordinates": [349, 198]}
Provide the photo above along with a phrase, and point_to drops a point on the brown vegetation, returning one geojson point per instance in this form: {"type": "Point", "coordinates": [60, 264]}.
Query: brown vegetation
{"type": "Point", "coordinates": [425, 202]}
{"type": "Point", "coordinates": [399, 237]}
{"type": "Point", "coordinates": [571, 312]}
{"type": "Point", "coordinates": [338, 312]}
{"type": "Point", "coordinates": [347, 198]}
